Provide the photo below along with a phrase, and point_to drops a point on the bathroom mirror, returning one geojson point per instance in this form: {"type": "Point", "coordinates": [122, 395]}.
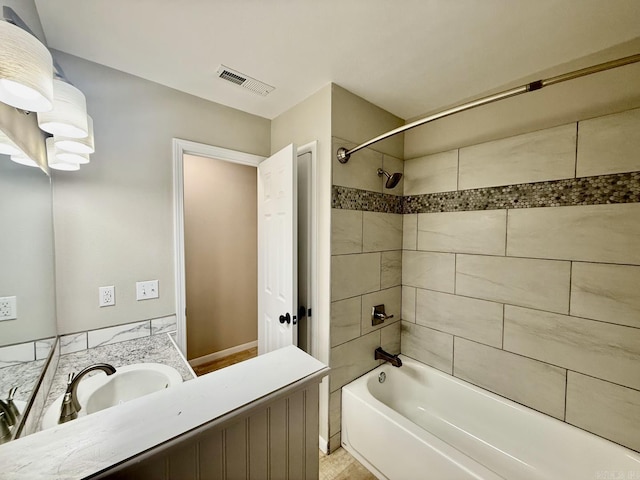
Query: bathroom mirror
{"type": "Point", "coordinates": [26, 273]}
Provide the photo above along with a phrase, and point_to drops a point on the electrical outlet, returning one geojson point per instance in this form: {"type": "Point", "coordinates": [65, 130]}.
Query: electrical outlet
{"type": "Point", "coordinates": [107, 296]}
{"type": "Point", "coordinates": [8, 308]}
{"type": "Point", "coordinates": [146, 290]}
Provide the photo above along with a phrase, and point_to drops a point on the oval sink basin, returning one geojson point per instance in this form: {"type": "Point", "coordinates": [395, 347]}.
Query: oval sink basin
{"type": "Point", "coordinates": [100, 391]}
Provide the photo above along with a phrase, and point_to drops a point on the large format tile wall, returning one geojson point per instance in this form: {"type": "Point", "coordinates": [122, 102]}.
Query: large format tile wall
{"type": "Point", "coordinates": [366, 260]}
{"type": "Point", "coordinates": [523, 278]}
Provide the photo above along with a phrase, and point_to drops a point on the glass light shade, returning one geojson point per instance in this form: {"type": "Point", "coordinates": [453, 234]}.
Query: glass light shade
{"type": "Point", "coordinates": [69, 115]}
{"type": "Point", "coordinates": [55, 162]}
{"type": "Point", "coordinates": [77, 145]}
{"type": "Point", "coordinates": [7, 147]}
{"type": "Point", "coordinates": [22, 159]}
{"type": "Point", "coordinates": [26, 70]}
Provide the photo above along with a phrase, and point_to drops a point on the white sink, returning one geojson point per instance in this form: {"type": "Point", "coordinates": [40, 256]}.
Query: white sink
{"type": "Point", "coordinates": [100, 391]}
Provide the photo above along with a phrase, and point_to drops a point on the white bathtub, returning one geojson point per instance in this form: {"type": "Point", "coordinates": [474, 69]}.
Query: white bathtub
{"type": "Point", "coordinates": [423, 424]}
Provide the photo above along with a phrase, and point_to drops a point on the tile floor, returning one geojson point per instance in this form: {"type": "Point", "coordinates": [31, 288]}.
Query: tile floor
{"type": "Point", "coordinates": [340, 465]}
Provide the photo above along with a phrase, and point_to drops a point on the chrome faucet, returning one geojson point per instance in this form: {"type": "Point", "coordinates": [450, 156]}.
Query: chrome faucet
{"type": "Point", "coordinates": [70, 404]}
{"type": "Point", "coordinates": [11, 413]}
{"type": "Point", "coordinates": [392, 359]}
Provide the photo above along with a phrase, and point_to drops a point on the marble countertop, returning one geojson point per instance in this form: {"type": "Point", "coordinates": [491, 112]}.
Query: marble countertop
{"type": "Point", "coordinates": [93, 443]}
{"type": "Point", "coordinates": [22, 375]}
{"type": "Point", "coordinates": [153, 349]}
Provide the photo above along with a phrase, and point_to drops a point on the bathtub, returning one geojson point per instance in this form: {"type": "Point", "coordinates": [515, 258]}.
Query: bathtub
{"type": "Point", "coordinates": [423, 424]}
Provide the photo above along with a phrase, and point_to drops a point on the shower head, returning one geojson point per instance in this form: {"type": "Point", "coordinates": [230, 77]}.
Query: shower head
{"type": "Point", "coordinates": [392, 179]}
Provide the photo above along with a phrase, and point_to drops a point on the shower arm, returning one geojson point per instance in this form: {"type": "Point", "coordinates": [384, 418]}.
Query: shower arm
{"type": "Point", "coordinates": [343, 154]}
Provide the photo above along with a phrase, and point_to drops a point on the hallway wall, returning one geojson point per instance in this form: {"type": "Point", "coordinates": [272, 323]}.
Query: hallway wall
{"type": "Point", "coordinates": [221, 248]}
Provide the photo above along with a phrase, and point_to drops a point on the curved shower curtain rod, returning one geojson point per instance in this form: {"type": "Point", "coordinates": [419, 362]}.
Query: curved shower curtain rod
{"type": "Point", "coordinates": [344, 154]}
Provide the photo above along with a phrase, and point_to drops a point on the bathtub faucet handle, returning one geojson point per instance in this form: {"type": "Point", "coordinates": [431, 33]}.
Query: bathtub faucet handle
{"type": "Point", "coordinates": [378, 315]}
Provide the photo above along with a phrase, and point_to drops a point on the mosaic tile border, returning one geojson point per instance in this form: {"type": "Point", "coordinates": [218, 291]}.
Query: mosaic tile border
{"type": "Point", "coordinates": [598, 190]}
{"type": "Point", "coordinates": [355, 199]}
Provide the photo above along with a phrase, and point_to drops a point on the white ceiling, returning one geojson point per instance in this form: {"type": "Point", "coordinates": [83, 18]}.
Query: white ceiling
{"type": "Point", "coordinates": [407, 56]}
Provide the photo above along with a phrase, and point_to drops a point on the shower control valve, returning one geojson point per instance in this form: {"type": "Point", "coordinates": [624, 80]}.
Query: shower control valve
{"type": "Point", "coordinates": [378, 315]}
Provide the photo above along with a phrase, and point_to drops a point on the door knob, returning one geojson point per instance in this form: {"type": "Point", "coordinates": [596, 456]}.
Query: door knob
{"type": "Point", "coordinates": [285, 318]}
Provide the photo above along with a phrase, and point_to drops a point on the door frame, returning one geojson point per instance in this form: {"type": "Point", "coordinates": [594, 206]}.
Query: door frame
{"type": "Point", "coordinates": [312, 148]}
{"type": "Point", "coordinates": [180, 148]}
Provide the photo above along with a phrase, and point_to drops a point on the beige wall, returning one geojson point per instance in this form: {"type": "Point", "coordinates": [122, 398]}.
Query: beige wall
{"type": "Point", "coordinates": [26, 250]}
{"type": "Point", "coordinates": [365, 248]}
{"type": "Point", "coordinates": [586, 97]}
{"type": "Point", "coordinates": [114, 218]}
{"type": "Point", "coordinates": [221, 248]}
{"type": "Point", "coordinates": [538, 303]}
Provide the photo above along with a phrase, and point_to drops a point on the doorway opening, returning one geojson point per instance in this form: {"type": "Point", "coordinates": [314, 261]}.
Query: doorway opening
{"type": "Point", "coordinates": [215, 204]}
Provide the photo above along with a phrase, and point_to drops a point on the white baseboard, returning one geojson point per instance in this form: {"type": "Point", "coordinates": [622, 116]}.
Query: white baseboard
{"type": "Point", "coordinates": [324, 445]}
{"type": "Point", "coordinates": [195, 362]}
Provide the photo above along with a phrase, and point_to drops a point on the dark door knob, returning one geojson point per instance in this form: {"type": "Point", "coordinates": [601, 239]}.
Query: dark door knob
{"type": "Point", "coordinates": [285, 318]}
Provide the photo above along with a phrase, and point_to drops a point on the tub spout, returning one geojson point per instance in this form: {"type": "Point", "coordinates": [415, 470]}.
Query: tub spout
{"type": "Point", "coordinates": [392, 359]}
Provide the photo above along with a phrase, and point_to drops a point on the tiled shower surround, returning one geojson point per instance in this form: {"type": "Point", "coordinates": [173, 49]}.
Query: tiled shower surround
{"type": "Point", "coordinates": [520, 270]}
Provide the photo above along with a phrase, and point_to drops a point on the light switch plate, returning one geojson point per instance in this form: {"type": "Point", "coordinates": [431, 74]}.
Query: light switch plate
{"type": "Point", "coordinates": [8, 308]}
{"type": "Point", "coordinates": [147, 289]}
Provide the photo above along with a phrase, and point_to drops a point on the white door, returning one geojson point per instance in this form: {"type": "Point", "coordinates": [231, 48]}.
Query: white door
{"type": "Point", "coordinates": [277, 251]}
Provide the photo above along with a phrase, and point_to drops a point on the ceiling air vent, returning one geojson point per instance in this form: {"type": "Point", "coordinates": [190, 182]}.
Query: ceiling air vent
{"type": "Point", "coordinates": [245, 81]}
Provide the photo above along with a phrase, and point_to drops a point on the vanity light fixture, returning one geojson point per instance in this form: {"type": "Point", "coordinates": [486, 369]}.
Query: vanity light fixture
{"type": "Point", "coordinates": [32, 81]}
{"type": "Point", "coordinates": [54, 161]}
{"type": "Point", "coordinates": [72, 157]}
{"type": "Point", "coordinates": [69, 114]}
{"type": "Point", "coordinates": [26, 70]}
{"type": "Point", "coordinates": [7, 146]}
{"type": "Point", "coordinates": [77, 145]}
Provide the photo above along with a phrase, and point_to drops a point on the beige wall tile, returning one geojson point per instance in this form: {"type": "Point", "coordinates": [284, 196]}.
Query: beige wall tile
{"type": "Point", "coordinates": [523, 380]}
{"type": "Point", "coordinates": [393, 165]}
{"type": "Point", "coordinates": [391, 269]}
{"type": "Point", "coordinates": [603, 350]}
{"type": "Point", "coordinates": [392, 300]}
{"type": "Point", "coordinates": [427, 346]}
{"type": "Point", "coordinates": [346, 231]}
{"type": "Point", "coordinates": [390, 338]}
{"type": "Point", "coordinates": [481, 232]}
{"type": "Point", "coordinates": [381, 231]}
{"type": "Point", "coordinates": [430, 174]}
{"type": "Point", "coordinates": [606, 292]}
{"type": "Point", "coordinates": [353, 275]}
{"type": "Point", "coordinates": [605, 409]}
{"type": "Point", "coordinates": [352, 359]}
{"type": "Point", "coordinates": [533, 157]}
{"type": "Point", "coordinates": [335, 411]}
{"type": "Point", "coordinates": [590, 233]}
{"type": "Point", "coordinates": [345, 320]}
{"type": "Point", "coordinates": [361, 171]}
{"type": "Point", "coordinates": [409, 231]}
{"type": "Point", "coordinates": [609, 144]}
{"type": "Point", "coordinates": [435, 271]}
{"type": "Point", "coordinates": [409, 304]}
{"type": "Point", "coordinates": [477, 320]}
{"type": "Point", "coordinates": [542, 284]}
